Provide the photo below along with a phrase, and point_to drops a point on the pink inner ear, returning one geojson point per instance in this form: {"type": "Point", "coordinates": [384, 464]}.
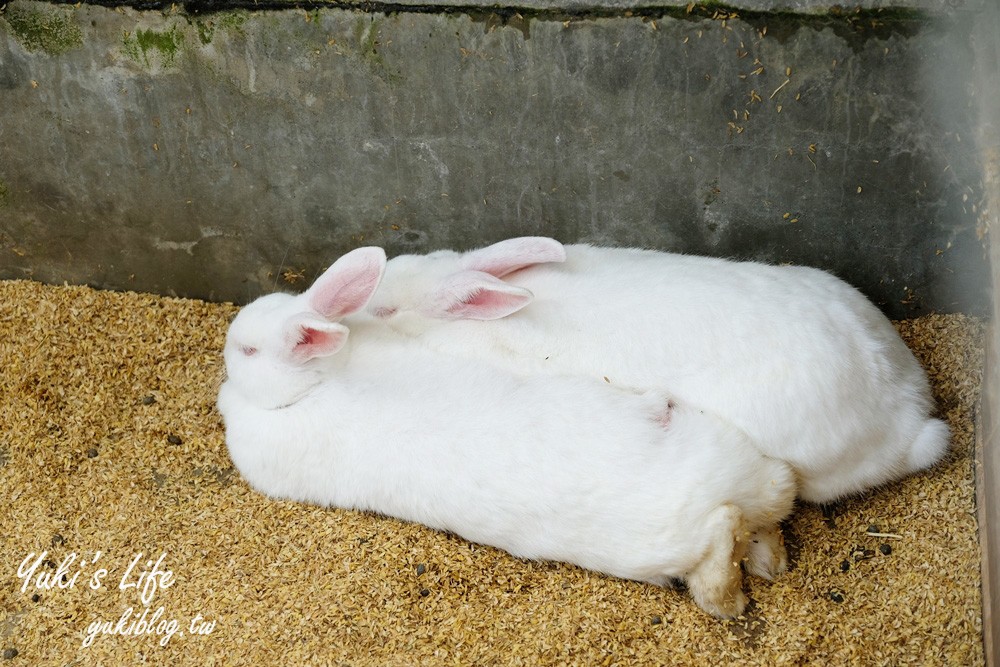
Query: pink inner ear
{"type": "Point", "coordinates": [317, 343]}
{"type": "Point", "coordinates": [474, 295]}
{"type": "Point", "coordinates": [486, 304]}
{"type": "Point", "coordinates": [347, 296]}
{"type": "Point", "coordinates": [348, 285]}
{"type": "Point", "coordinates": [308, 336]}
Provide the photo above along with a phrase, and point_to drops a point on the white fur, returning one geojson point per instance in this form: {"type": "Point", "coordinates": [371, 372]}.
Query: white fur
{"type": "Point", "coordinates": [797, 358]}
{"type": "Point", "coordinates": [544, 467]}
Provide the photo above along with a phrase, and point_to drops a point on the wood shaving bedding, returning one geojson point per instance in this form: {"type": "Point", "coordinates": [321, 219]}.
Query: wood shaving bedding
{"type": "Point", "coordinates": [111, 450]}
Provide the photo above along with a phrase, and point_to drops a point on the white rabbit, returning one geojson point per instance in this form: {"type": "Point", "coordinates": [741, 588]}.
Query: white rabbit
{"type": "Point", "coordinates": [545, 467]}
{"type": "Point", "coordinates": [798, 359]}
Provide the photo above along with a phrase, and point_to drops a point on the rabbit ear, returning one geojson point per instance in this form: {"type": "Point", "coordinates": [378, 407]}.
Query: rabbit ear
{"type": "Point", "coordinates": [307, 337]}
{"type": "Point", "coordinates": [348, 285]}
{"type": "Point", "coordinates": [511, 255]}
{"type": "Point", "coordinates": [473, 295]}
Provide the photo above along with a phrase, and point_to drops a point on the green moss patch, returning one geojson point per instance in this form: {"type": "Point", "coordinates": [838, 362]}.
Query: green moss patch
{"type": "Point", "coordinates": [227, 22]}
{"type": "Point", "coordinates": [147, 47]}
{"type": "Point", "coordinates": [53, 32]}
{"type": "Point", "coordinates": [366, 34]}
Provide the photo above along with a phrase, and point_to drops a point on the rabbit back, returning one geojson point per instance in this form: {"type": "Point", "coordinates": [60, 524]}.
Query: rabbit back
{"type": "Point", "coordinates": [800, 360]}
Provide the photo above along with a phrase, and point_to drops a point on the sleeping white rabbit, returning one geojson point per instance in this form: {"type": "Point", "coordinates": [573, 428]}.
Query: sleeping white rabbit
{"type": "Point", "coordinates": [798, 359]}
{"type": "Point", "coordinates": [544, 467]}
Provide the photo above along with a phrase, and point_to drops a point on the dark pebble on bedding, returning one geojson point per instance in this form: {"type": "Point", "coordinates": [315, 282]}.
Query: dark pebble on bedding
{"type": "Point", "coordinates": [845, 565]}
{"type": "Point", "coordinates": [424, 592]}
{"type": "Point", "coordinates": [58, 539]}
{"type": "Point", "coordinates": [148, 400]}
{"type": "Point", "coordinates": [885, 549]}
{"type": "Point", "coordinates": [836, 597]}
{"type": "Point", "coordinates": [92, 453]}
{"type": "Point", "coordinates": [9, 653]}
{"type": "Point", "coordinates": [656, 620]}
{"type": "Point", "coordinates": [421, 568]}
{"type": "Point", "coordinates": [873, 529]}
{"type": "Point", "coordinates": [36, 597]}
{"type": "Point", "coordinates": [863, 554]}
{"type": "Point", "coordinates": [174, 439]}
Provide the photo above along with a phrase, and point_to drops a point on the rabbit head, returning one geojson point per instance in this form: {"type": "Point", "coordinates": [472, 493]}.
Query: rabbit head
{"type": "Point", "coordinates": [279, 347]}
{"type": "Point", "coordinates": [450, 285]}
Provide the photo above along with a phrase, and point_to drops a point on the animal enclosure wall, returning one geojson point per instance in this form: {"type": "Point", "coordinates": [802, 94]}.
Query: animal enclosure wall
{"type": "Point", "coordinates": [206, 153]}
{"type": "Point", "coordinates": [219, 150]}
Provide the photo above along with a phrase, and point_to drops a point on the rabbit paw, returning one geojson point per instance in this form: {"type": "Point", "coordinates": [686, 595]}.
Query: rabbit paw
{"type": "Point", "coordinates": [766, 555]}
{"type": "Point", "coordinates": [717, 582]}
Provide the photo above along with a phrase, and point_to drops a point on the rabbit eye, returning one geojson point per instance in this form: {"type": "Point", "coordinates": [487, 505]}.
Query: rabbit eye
{"type": "Point", "coordinates": [247, 350]}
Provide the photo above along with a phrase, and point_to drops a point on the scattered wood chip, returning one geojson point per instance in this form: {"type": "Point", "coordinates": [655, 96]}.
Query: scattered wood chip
{"type": "Point", "coordinates": [290, 584]}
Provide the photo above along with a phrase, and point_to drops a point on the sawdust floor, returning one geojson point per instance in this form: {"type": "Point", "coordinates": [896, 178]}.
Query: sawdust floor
{"type": "Point", "coordinates": [111, 450]}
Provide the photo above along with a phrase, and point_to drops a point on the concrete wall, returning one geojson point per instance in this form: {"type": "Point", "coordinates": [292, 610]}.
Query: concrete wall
{"type": "Point", "coordinates": [987, 83]}
{"type": "Point", "coordinates": [218, 153]}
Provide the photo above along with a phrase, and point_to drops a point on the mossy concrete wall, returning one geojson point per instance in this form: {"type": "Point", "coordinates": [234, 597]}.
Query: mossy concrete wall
{"type": "Point", "coordinates": [219, 153]}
